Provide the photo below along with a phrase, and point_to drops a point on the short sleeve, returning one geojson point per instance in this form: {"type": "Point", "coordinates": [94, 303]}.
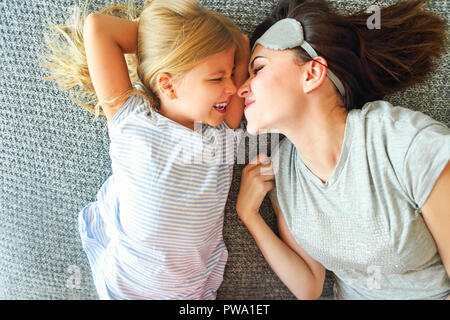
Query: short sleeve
{"type": "Point", "coordinates": [135, 103]}
{"type": "Point", "coordinates": [425, 159]}
{"type": "Point", "coordinates": [411, 143]}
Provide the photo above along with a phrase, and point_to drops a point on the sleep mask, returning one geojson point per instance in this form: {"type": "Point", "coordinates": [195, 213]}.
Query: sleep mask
{"type": "Point", "coordinates": [288, 34]}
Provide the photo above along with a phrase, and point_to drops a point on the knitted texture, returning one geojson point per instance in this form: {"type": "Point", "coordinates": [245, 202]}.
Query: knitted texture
{"type": "Point", "coordinates": [54, 158]}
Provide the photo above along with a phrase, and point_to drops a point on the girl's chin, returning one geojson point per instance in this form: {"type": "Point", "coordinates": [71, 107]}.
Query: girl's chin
{"type": "Point", "coordinates": [215, 122]}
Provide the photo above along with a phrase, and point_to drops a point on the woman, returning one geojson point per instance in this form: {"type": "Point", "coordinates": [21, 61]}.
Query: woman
{"type": "Point", "coordinates": [361, 187]}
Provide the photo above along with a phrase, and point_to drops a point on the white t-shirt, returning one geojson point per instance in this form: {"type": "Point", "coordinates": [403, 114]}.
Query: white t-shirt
{"type": "Point", "coordinates": [155, 231]}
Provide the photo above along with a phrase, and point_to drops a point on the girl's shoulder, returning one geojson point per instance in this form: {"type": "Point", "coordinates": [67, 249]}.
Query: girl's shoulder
{"type": "Point", "coordinates": [137, 106]}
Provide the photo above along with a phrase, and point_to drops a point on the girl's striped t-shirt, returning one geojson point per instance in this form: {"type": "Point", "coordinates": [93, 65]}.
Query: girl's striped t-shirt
{"type": "Point", "coordinates": [155, 231]}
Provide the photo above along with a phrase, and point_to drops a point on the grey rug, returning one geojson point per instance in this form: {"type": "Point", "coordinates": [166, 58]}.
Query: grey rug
{"type": "Point", "coordinates": [53, 160]}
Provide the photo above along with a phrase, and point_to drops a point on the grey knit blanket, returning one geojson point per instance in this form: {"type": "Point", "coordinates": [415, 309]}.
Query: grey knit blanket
{"type": "Point", "coordinates": [54, 158]}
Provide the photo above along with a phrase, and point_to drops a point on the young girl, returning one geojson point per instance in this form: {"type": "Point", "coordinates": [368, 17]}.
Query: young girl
{"type": "Point", "coordinates": [155, 231]}
{"type": "Point", "coordinates": [361, 187]}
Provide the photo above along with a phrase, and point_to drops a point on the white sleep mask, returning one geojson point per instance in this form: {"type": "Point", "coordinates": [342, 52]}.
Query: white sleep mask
{"type": "Point", "coordinates": [288, 34]}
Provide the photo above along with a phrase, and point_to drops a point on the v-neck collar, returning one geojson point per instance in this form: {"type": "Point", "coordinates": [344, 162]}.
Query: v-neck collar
{"type": "Point", "coordinates": [346, 144]}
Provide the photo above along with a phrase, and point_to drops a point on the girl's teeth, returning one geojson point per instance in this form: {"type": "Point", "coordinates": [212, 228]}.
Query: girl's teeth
{"type": "Point", "coordinates": [220, 106]}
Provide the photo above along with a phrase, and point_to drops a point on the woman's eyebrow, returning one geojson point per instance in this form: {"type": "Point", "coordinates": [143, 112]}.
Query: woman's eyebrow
{"type": "Point", "coordinates": [251, 65]}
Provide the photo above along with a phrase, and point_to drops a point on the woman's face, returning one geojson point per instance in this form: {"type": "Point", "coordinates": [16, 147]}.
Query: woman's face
{"type": "Point", "coordinates": [204, 91]}
{"type": "Point", "coordinates": [273, 93]}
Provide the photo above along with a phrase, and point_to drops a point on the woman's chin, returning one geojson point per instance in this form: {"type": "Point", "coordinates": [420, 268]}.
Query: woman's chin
{"type": "Point", "coordinates": [252, 130]}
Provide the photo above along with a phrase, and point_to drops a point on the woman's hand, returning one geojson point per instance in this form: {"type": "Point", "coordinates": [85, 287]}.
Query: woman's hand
{"type": "Point", "coordinates": [257, 179]}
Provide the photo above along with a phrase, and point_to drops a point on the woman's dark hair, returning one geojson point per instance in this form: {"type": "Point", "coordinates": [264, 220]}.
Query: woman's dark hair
{"type": "Point", "coordinates": [371, 63]}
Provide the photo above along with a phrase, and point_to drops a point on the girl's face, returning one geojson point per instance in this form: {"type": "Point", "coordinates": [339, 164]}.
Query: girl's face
{"type": "Point", "coordinates": [203, 93]}
{"type": "Point", "coordinates": [273, 93]}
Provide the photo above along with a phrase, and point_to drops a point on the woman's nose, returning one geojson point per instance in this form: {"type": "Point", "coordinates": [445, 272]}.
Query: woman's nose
{"type": "Point", "coordinates": [244, 89]}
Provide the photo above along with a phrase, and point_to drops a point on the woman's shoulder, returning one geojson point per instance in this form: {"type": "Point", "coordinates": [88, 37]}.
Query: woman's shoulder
{"type": "Point", "coordinates": [396, 128]}
{"type": "Point", "coordinates": [384, 113]}
{"type": "Point", "coordinates": [381, 122]}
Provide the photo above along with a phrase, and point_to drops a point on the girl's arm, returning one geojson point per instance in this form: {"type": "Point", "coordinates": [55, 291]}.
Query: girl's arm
{"type": "Point", "coordinates": [299, 272]}
{"type": "Point", "coordinates": [106, 40]}
{"type": "Point", "coordinates": [235, 109]}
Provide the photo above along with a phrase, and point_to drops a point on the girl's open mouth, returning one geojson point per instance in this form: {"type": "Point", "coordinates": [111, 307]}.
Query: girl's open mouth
{"type": "Point", "coordinates": [221, 107]}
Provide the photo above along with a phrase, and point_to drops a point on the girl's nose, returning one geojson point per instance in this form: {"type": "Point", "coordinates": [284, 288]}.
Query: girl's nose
{"type": "Point", "coordinates": [244, 89]}
{"type": "Point", "coordinates": [231, 88]}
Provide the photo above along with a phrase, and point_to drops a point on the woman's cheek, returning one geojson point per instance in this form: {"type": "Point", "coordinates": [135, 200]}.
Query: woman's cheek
{"type": "Point", "coordinates": [266, 84]}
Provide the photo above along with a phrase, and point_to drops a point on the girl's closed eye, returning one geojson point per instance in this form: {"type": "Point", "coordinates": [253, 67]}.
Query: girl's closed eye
{"type": "Point", "coordinates": [219, 79]}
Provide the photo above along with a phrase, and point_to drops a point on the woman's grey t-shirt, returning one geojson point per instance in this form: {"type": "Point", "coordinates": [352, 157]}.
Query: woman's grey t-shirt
{"type": "Point", "coordinates": [365, 224]}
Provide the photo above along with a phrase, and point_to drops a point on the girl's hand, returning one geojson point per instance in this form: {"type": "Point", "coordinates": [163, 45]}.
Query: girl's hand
{"type": "Point", "coordinates": [257, 179]}
{"type": "Point", "coordinates": [137, 20]}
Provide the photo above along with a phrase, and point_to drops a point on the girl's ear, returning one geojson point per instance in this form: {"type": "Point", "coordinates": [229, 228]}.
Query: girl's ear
{"type": "Point", "coordinates": [165, 85]}
{"type": "Point", "coordinates": [315, 74]}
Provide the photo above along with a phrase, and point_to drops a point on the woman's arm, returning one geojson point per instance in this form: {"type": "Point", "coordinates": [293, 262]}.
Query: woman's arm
{"type": "Point", "coordinates": [436, 214]}
{"type": "Point", "coordinates": [298, 271]}
{"type": "Point", "coordinates": [106, 40]}
{"type": "Point", "coordinates": [235, 108]}
{"type": "Point", "coordinates": [289, 265]}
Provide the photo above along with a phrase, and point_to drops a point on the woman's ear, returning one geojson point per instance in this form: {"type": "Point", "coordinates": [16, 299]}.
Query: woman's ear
{"type": "Point", "coordinates": [315, 74]}
{"type": "Point", "coordinates": [165, 85]}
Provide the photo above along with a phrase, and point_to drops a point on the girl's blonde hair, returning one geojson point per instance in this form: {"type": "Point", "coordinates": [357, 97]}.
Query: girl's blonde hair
{"type": "Point", "coordinates": [173, 37]}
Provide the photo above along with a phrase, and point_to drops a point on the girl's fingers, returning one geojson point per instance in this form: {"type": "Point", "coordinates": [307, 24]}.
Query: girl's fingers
{"type": "Point", "coordinates": [261, 158]}
{"type": "Point", "coordinates": [261, 166]}
{"type": "Point", "coordinates": [269, 185]}
{"type": "Point", "coordinates": [268, 177]}
{"type": "Point", "coordinates": [266, 171]}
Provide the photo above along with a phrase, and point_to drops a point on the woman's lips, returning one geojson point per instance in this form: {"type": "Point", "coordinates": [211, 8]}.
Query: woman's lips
{"type": "Point", "coordinates": [248, 104]}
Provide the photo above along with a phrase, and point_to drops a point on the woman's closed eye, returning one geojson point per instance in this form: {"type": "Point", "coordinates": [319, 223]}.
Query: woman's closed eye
{"type": "Point", "coordinates": [257, 69]}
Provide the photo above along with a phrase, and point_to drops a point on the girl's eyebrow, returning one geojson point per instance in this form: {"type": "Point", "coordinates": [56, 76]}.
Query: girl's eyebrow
{"type": "Point", "coordinates": [220, 72]}
{"type": "Point", "coordinates": [217, 73]}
